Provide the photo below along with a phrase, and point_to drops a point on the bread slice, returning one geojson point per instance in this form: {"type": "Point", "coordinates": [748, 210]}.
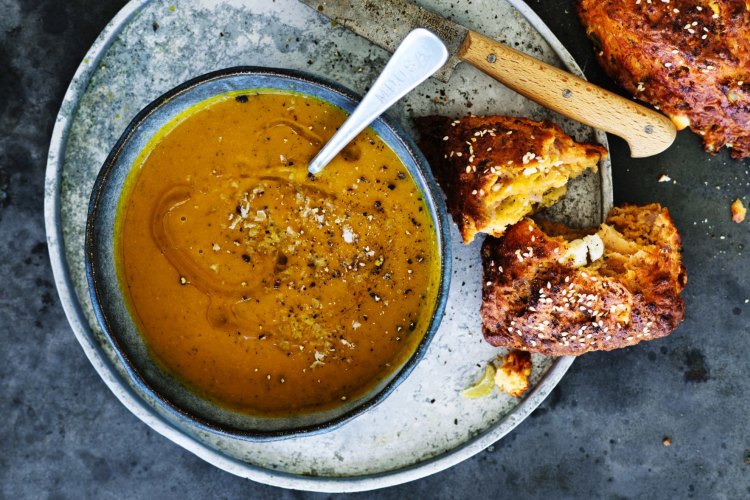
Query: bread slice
{"type": "Point", "coordinates": [495, 170]}
{"type": "Point", "coordinates": [559, 291]}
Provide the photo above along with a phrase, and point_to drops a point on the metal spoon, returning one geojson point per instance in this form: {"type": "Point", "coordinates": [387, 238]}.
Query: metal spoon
{"type": "Point", "coordinates": [419, 56]}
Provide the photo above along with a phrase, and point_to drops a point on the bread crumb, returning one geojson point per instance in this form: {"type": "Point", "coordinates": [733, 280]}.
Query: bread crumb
{"type": "Point", "coordinates": [738, 211]}
{"type": "Point", "coordinates": [667, 441]}
{"type": "Point", "coordinates": [665, 178]}
{"type": "Point", "coordinates": [513, 376]}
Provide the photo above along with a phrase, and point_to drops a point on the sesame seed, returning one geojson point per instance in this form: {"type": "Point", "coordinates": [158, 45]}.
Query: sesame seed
{"type": "Point", "coordinates": [445, 138]}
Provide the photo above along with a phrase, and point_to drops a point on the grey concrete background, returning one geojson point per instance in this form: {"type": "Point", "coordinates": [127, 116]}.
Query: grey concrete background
{"type": "Point", "coordinates": [600, 434]}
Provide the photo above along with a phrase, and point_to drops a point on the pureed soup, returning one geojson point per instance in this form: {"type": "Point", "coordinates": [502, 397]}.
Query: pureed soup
{"type": "Point", "coordinates": [260, 287]}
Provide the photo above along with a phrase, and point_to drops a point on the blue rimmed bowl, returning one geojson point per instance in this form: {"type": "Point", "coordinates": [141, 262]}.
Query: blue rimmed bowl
{"type": "Point", "coordinates": [154, 385]}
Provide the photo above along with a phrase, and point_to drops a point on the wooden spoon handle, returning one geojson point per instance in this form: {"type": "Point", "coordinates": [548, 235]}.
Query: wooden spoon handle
{"type": "Point", "coordinates": [646, 132]}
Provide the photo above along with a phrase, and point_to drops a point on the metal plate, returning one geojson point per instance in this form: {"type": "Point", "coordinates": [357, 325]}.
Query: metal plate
{"type": "Point", "coordinates": [423, 427]}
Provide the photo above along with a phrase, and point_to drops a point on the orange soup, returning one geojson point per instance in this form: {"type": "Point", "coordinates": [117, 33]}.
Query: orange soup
{"type": "Point", "coordinates": [258, 286]}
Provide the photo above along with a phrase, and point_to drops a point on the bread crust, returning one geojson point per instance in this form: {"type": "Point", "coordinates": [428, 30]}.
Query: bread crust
{"type": "Point", "coordinates": [689, 58]}
{"type": "Point", "coordinates": [533, 302]}
{"type": "Point", "coordinates": [473, 157]}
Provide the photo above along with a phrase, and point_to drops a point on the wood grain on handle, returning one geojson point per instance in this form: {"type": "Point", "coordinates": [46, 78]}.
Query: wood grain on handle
{"type": "Point", "coordinates": [646, 132]}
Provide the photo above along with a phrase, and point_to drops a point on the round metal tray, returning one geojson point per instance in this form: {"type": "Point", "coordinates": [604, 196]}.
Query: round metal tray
{"type": "Point", "coordinates": [425, 426]}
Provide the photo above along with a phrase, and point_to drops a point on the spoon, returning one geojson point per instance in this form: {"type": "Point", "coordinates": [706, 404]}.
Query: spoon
{"type": "Point", "coordinates": [418, 57]}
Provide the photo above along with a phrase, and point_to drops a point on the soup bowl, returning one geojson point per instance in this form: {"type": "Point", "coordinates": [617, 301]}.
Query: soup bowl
{"type": "Point", "coordinates": [157, 386]}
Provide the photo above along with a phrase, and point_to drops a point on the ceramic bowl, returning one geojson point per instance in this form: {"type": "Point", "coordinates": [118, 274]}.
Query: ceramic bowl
{"type": "Point", "coordinates": [156, 387]}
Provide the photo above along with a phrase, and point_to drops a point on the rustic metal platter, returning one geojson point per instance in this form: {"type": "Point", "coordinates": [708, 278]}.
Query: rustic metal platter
{"type": "Point", "coordinates": [423, 427]}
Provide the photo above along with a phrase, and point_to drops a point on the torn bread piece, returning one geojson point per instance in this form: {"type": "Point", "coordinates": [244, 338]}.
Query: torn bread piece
{"type": "Point", "coordinates": [512, 377]}
{"type": "Point", "coordinates": [689, 59]}
{"type": "Point", "coordinates": [559, 291]}
{"type": "Point", "coordinates": [495, 170]}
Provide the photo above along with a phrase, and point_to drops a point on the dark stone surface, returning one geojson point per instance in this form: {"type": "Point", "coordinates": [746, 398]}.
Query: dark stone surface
{"type": "Point", "coordinates": [600, 434]}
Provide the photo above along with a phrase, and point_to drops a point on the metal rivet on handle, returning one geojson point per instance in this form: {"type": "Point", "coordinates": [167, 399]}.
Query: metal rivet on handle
{"type": "Point", "coordinates": [649, 129]}
{"type": "Point", "coordinates": [491, 58]}
{"type": "Point", "coordinates": [567, 93]}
